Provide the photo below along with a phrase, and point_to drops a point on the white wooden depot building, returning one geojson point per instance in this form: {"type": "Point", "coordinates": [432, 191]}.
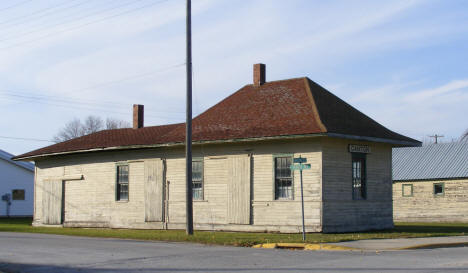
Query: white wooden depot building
{"type": "Point", "coordinates": [243, 148]}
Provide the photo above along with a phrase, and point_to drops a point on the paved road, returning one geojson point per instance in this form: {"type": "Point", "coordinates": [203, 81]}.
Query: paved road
{"type": "Point", "coordinates": [23, 252]}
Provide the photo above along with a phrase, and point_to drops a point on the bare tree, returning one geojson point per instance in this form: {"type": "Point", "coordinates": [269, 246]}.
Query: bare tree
{"type": "Point", "coordinates": [71, 130]}
{"type": "Point", "coordinates": [112, 123]}
{"type": "Point", "coordinates": [75, 128]}
{"type": "Point", "coordinates": [92, 124]}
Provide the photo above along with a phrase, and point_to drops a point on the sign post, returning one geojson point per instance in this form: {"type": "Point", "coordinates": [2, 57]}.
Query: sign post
{"type": "Point", "coordinates": [299, 165]}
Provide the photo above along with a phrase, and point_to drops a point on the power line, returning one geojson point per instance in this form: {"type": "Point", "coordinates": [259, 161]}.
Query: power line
{"type": "Point", "coordinates": [15, 5]}
{"type": "Point", "coordinates": [82, 25]}
{"type": "Point", "coordinates": [28, 139]}
{"type": "Point", "coordinates": [141, 75]}
{"type": "Point", "coordinates": [34, 13]}
{"type": "Point", "coordinates": [61, 23]}
{"type": "Point", "coordinates": [100, 109]}
{"type": "Point", "coordinates": [11, 27]}
{"type": "Point", "coordinates": [28, 97]}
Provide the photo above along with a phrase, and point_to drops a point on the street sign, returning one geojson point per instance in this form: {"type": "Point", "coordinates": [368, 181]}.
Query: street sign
{"type": "Point", "coordinates": [299, 160]}
{"type": "Point", "coordinates": [299, 167]}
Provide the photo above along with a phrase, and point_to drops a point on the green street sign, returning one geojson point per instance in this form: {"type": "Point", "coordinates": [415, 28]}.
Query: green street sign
{"type": "Point", "coordinates": [299, 160]}
{"type": "Point", "coordinates": [299, 167]}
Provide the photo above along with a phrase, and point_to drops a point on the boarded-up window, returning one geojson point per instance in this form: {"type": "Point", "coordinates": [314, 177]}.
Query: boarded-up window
{"type": "Point", "coordinates": [407, 190]}
{"type": "Point", "coordinates": [283, 178]}
{"type": "Point", "coordinates": [197, 179]}
{"type": "Point", "coordinates": [17, 194]}
{"type": "Point", "coordinates": [122, 183]}
{"type": "Point", "coordinates": [359, 176]}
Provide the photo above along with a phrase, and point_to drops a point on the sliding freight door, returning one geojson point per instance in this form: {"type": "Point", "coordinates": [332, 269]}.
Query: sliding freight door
{"type": "Point", "coordinates": [52, 202]}
{"type": "Point", "coordinates": [154, 190]}
{"type": "Point", "coordinates": [239, 188]}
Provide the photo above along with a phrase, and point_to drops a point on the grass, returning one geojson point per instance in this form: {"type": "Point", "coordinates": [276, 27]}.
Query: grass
{"type": "Point", "coordinates": [401, 230]}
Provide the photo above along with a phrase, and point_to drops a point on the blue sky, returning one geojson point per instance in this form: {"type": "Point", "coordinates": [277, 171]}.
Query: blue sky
{"type": "Point", "coordinates": [403, 63]}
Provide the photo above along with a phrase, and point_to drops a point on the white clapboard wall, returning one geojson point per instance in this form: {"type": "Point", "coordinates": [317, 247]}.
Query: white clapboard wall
{"type": "Point", "coordinates": [154, 190]}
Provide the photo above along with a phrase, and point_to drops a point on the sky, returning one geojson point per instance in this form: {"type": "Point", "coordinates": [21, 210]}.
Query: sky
{"type": "Point", "coordinates": [403, 63]}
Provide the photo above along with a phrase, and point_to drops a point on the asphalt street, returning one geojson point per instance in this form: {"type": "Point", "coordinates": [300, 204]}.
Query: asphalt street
{"type": "Point", "coordinates": [24, 252]}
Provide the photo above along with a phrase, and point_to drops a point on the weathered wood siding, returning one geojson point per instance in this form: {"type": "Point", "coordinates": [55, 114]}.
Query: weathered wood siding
{"type": "Point", "coordinates": [239, 190]}
{"type": "Point", "coordinates": [52, 202]}
{"type": "Point", "coordinates": [154, 190]}
{"type": "Point", "coordinates": [340, 212]}
{"type": "Point", "coordinates": [424, 206]}
{"type": "Point", "coordinates": [228, 172]}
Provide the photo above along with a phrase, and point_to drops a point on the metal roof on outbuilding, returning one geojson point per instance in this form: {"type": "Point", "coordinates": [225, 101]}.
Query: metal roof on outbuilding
{"type": "Point", "coordinates": [435, 161]}
{"type": "Point", "coordinates": [7, 157]}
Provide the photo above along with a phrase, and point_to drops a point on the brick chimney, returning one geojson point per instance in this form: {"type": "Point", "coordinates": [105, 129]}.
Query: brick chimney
{"type": "Point", "coordinates": [258, 74]}
{"type": "Point", "coordinates": [138, 116]}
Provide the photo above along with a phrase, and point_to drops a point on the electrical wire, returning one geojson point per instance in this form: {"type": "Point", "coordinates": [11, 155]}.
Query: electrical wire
{"type": "Point", "coordinates": [34, 98]}
{"type": "Point", "coordinates": [15, 5]}
{"type": "Point", "coordinates": [24, 138]}
{"type": "Point", "coordinates": [82, 25]}
{"type": "Point", "coordinates": [97, 108]}
{"type": "Point", "coordinates": [70, 21]}
{"type": "Point", "coordinates": [7, 22]}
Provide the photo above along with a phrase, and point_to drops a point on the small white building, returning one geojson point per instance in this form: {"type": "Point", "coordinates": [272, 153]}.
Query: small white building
{"type": "Point", "coordinates": [16, 186]}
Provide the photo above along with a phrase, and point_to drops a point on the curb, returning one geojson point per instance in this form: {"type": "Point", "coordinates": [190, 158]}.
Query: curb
{"type": "Point", "coordinates": [329, 247]}
{"type": "Point", "coordinates": [429, 246]}
{"type": "Point", "coordinates": [304, 246]}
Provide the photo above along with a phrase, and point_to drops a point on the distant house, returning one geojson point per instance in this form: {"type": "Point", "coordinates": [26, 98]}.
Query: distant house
{"type": "Point", "coordinates": [243, 149]}
{"type": "Point", "coordinates": [430, 183]}
{"type": "Point", "coordinates": [16, 186]}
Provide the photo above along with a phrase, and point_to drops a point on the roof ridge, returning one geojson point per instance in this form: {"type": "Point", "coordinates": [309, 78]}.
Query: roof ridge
{"type": "Point", "coordinates": [314, 105]}
{"type": "Point", "coordinates": [276, 81]}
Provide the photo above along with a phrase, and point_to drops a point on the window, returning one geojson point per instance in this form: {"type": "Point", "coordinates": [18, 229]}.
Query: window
{"type": "Point", "coordinates": [122, 183]}
{"type": "Point", "coordinates": [17, 194]}
{"type": "Point", "coordinates": [283, 178]}
{"type": "Point", "coordinates": [359, 176]}
{"type": "Point", "coordinates": [197, 179]}
{"type": "Point", "coordinates": [407, 190]}
{"type": "Point", "coordinates": [439, 189]}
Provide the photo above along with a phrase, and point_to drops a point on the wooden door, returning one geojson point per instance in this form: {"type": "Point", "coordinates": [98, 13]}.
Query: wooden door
{"type": "Point", "coordinates": [154, 190]}
{"type": "Point", "coordinates": [239, 188]}
{"type": "Point", "coordinates": [52, 202]}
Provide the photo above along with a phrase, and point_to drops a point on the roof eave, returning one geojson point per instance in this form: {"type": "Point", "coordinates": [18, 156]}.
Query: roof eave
{"type": "Point", "coordinates": [378, 139]}
{"type": "Point", "coordinates": [172, 144]}
{"type": "Point", "coordinates": [175, 144]}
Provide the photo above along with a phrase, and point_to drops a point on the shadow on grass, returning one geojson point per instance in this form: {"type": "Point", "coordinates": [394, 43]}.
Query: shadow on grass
{"type": "Point", "coordinates": [16, 220]}
{"type": "Point", "coordinates": [455, 228]}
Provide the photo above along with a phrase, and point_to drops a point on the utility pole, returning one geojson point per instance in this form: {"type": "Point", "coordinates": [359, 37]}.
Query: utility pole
{"type": "Point", "coordinates": [188, 127]}
{"type": "Point", "coordinates": [436, 137]}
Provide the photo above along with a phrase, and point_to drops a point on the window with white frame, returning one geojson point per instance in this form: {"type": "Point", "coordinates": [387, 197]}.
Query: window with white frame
{"type": "Point", "coordinates": [283, 177]}
{"type": "Point", "coordinates": [197, 179]}
{"type": "Point", "coordinates": [122, 183]}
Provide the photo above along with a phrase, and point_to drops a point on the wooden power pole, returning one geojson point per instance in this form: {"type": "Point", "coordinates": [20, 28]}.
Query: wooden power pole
{"type": "Point", "coordinates": [188, 127]}
{"type": "Point", "coordinates": [436, 137]}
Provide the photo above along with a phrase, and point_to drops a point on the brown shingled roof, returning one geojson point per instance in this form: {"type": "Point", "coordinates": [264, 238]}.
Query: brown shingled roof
{"type": "Point", "coordinates": [280, 108]}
